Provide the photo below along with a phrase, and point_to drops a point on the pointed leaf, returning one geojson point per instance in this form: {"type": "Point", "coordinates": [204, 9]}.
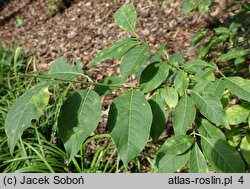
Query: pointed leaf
{"type": "Point", "coordinates": [61, 70]}
{"type": "Point", "coordinates": [239, 87]}
{"type": "Point", "coordinates": [236, 114]}
{"type": "Point", "coordinates": [184, 115]}
{"type": "Point", "coordinates": [171, 163]}
{"type": "Point", "coordinates": [112, 82]}
{"type": "Point", "coordinates": [197, 37]}
{"type": "Point", "coordinates": [197, 161]}
{"type": "Point", "coordinates": [61, 66]}
{"type": "Point", "coordinates": [79, 117]}
{"type": "Point", "coordinates": [160, 116]}
{"type": "Point", "coordinates": [201, 85]}
{"type": "Point", "coordinates": [245, 149]}
{"type": "Point", "coordinates": [181, 82]}
{"type": "Point", "coordinates": [233, 54]}
{"type": "Point", "coordinates": [176, 145]}
{"type": "Point", "coordinates": [205, 74]}
{"type": "Point", "coordinates": [129, 123]}
{"type": "Point", "coordinates": [170, 95]}
{"type": "Point", "coordinates": [153, 75]}
{"type": "Point", "coordinates": [133, 61]}
{"type": "Point", "coordinates": [211, 108]}
{"type": "Point", "coordinates": [28, 107]}
{"type": "Point", "coordinates": [125, 17]}
{"type": "Point", "coordinates": [209, 130]}
{"type": "Point", "coordinates": [196, 65]}
{"type": "Point", "coordinates": [177, 58]}
{"type": "Point", "coordinates": [222, 157]}
{"type": "Point", "coordinates": [217, 88]}
{"type": "Point", "coordinates": [116, 50]}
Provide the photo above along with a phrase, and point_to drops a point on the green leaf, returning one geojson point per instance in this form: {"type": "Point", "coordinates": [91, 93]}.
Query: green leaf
{"type": "Point", "coordinates": [197, 65]}
{"type": "Point", "coordinates": [222, 157]}
{"type": "Point", "coordinates": [125, 17]}
{"type": "Point", "coordinates": [160, 116]}
{"type": "Point", "coordinates": [197, 161]}
{"type": "Point", "coordinates": [28, 107]}
{"type": "Point", "coordinates": [177, 58]}
{"type": "Point", "coordinates": [181, 82]}
{"type": "Point", "coordinates": [61, 70]}
{"type": "Point", "coordinates": [204, 5]}
{"type": "Point", "coordinates": [211, 108]}
{"type": "Point", "coordinates": [222, 30]}
{"type": "Point", "coordinates": [176, 145]}
{"type": "Point", "coordinates": [133, 61]}
{"type": "Point", "coordinates": [129, 123]}
{"type": "Point", "coordinates": [236, 114]}
{"type": "Point", "coordinates": [217, 88]}
{"type": "Point", "coordinates": [167, 1]}
{"type": "Point", "coordinates": [197, 37]}
{"type": "Point", "coordinates": [233, 55]}
{"type": "Point", "coordinates": [205, 49]}
{"type": "Point", "coordinates": [209, 130]}
{"type": "Point", "coordinates": [79, 117]}
{"type": "Point", "coordinates": [20, 22]}
{"type": "Point", "coordinates": [116, 50]}
{"type": "Point", "coordinates": [112, 82]}
{"type": "Point", "coordinates": [60, 65]}
{"type": "Point", "coordinates": [206, 74]}
{"type": "Point", "coordinates": [189, 5]}
{"type": "Point", "coordinates": [248, 120]}
{"type": "Point", "coordinates": [245, 149]}
{"type": "Point", "coordinates": [155, 58]}
{"type": "Point", "coordinates": [184, 115]}
{"type": "Point", "coordinates": [170, 95]}
{"type": "Point", "coordinates": [201, 85]}
{"type": "Point", "coordinates": [171, 163]}
{"type": "Point", "coordinates": [153, 75]}
{"type": "Point", "coordinates": [239, 87]}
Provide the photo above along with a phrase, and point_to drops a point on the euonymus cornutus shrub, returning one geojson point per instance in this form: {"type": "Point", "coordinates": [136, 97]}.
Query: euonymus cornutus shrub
{"type": "Point", "coordinates": [192, 95]}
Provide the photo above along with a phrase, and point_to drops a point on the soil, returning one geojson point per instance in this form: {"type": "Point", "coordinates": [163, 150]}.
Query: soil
{"type": "Point", "coordinates": [86, 27]}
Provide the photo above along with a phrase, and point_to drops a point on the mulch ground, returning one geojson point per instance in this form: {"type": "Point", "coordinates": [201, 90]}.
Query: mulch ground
{"type": "Point", "coordinates": [88, 26]}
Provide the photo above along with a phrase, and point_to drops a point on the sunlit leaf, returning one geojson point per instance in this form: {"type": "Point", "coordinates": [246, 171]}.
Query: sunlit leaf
{"type": "Point", "coordinates": [153, 75]}
{"type": "Point", "coordinates": [28, 107]}
{"type": "Point", "coordinates": [245, 149]}
{"type": "Point", "coordinates": [171, 163]}
{"type": "Point", "coordinates": [129, 123]}
{"type": "Point", "coordinates": [170, 95]}
{"type": "Point", "coordinates": [181, 82]}
{"type": "Point", "coordinates": [79, 117]}
{"type": "Point", "coordinates": [116, 50]}
{"type": "Point", "coordinates": [239, 87]}
{"type": "Point", "coordinates": [222, 157]}
{"type": "Point", "coordinates": [211, 108]}
{"type": "Point", "coordinates": [176, 145]}
{"type": "Point", "coordinates": [184, 115]}
{"type": "Point", "coordinates": [209, 130]}
{"type": "Point", "coordinates": [237, 114]}
{"type": "Point", "coordinates": [133, 61]}
{"type": "Point", "coordinates": [197, 161]}
{"type": "Point", "coordinates": [125, 17]}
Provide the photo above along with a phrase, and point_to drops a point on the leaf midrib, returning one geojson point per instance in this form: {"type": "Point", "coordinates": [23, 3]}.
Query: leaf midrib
{"type": "Point", "coordinates": [229, 165]}
{"type": "Point", "coordinates": [24, 111]}
{"type": "Point", "coordinates": [123, 12]}
{"type": "Point", "coordinates": [238, 86]}
{"type": "Point", "coordinates": [129, 123]}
